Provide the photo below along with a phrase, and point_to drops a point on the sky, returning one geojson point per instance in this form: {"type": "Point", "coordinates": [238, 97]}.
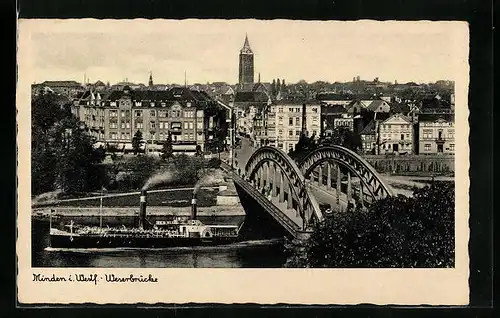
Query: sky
{"type": "Point", "coordinates": [207, 50]}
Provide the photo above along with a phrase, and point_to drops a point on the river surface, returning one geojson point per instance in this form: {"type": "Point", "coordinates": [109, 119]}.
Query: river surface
{"type": "Point", "coordinates": [251, 253]}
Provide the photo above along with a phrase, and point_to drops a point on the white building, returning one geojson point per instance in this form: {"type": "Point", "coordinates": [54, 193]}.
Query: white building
{"type": "Point", "coordinates": [284, 123]}
{"type": "Point", "coordinates": [436, 135]}
{"type": "Point", "coordinates": [396, 135]}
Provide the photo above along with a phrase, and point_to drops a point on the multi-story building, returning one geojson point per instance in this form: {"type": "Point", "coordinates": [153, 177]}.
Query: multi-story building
{"type": "Point", "coordinates": [67, 88]}
{"type": "Point", "coordinates": [368, 138]}
{"type": "Point", "coordinates": [396, 135]}
{"type": "Point", "coordinates": [281, 124]}
{"type": "Point", "coordinates": [190, 117]}
{"type": "Point", "coordinates": [436, 134]}
{"type": "Point", "coordinates": [345, 120]}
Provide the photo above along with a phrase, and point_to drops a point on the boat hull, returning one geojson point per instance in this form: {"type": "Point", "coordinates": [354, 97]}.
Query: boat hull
{"type": "Point", "coordinates": [94, 241]}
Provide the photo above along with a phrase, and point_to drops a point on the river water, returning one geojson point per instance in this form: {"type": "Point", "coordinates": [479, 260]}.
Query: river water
{"type": "Point", "coordinates": [251, 253]}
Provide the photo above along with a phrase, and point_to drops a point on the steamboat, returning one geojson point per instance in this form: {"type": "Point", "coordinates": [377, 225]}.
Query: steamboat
{"type": "Point", "coordinates": [173, 233]}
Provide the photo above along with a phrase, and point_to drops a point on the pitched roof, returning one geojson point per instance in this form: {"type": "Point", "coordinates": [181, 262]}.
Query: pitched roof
{"type": "Point", "coordinates": [62, 84]}
{"type": "Point", "coordinates": [434, 117]}
{"type": "Point", "coordinates": [400, 108]}
{"type": "Point", "coordinates": [250, 97]}
{"type": "Point", "coordinates": [374, 105]}
{"type": "Point", "coordinates": [369, 129]}
{"type": "Point", "coordinates": [336, 109]}
{"type": "Point", "coordinates": [405, 118]}
{"type": "Point", "coordinates": [333, 96]}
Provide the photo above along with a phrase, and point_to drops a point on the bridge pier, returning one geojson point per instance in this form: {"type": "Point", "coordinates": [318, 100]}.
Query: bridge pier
{"type": "Point", "coordinates": [338, 184]}
{"type": "Point", "coordinates": [275, 185]}
{"type": "Point", "coordinates": [282, 187]}
{"type": "Point", "coordinates": [328, 176]}
{"type": "Point", "coordinates": [349, 187]}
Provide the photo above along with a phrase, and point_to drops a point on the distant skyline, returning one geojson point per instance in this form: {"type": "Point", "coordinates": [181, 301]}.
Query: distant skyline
{"type": "Point", "coordinates": [207, 50]}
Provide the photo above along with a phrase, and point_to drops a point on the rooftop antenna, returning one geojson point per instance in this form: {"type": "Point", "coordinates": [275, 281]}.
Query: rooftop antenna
{"type": "Point", "coordinates": [185, 79]}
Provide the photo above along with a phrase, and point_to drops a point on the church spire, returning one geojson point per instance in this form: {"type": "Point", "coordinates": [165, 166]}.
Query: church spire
{"type": "Point", "coordinates": [150, 79]}
{"type": "Point", "coordinates": [246, 46]}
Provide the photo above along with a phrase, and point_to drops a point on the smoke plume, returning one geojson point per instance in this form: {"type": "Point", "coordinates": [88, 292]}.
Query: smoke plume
{"type": "Point", "coordinates": [161, 178]}
{"type": "Point", "coordinates": [212, 178]}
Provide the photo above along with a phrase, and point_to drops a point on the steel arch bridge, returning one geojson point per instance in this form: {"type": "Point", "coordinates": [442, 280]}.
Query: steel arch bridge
{"type": "Point", "coordinates": [355, 164]}
{"type": "Point", "coordinates": [274, 173]}
{"type": "Point", "coordinates": [278, 179]}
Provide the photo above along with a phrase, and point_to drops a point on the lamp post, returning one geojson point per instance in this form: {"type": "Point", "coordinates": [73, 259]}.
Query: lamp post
{"type": "Point", "coordinates": [229, 121]}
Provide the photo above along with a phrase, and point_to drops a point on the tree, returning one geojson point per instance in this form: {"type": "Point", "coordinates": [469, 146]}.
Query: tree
{"type": "Point", "coordinates": [398, 231]}
{"type": "Point", "coordinates": [167, 151]}
{"type": "Point", "coordinates": [77, 160]}
{"type": "Point", "coordinates": [137, 142]}
{"type": "Point", "coordinates": [344, 137]}
{"type": "Point", "coordinates": [198, 153]}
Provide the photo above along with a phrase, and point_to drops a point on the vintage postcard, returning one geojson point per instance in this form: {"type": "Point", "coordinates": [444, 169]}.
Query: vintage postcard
{"type": "Point", "coordinates": [242, 161]}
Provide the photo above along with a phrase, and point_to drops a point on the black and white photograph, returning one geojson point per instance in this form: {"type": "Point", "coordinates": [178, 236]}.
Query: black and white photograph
{"type": "Point", "coordinates": [244, 144]}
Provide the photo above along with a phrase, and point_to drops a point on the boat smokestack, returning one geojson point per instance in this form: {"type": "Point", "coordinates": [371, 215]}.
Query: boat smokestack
{"type": "Point", "coordinates": [142, 211]}
{"type": "Point", "coordinates": [193, 207]}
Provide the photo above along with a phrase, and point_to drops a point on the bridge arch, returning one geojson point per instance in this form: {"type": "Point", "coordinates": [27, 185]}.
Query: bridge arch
{"type": "Point", "coordinates": [347, 158]}
{"type": "Point", "coordinates": [307, 205]}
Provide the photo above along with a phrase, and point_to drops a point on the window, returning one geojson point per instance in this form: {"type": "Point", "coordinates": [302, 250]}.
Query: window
{"type": "Point", "coordinates": [191, 125]}
{"type": "Point", "coordinates": [162, 113]}
{"type": "Point", "coordinates": [297, 121]}
{"type": "Point", "coordinates": [113, 125]}
{"type": "Point", "coordinates": [161, 134]}
{"type": "Point", "coordinates": [402, 137]}
{"type": "Point", "coordinates": [113, 113]}
{"type": "Point", "coordinates": [122, 113]}
{"type": "Point", "coordinates": [427, 147]}
{"type": "Point", "coordinates": [123, 136]}
{"type": "Point", "coordinates": [290, 110]}
{"type": "Point", "coordinates": [114, 135]}
{"type": "Point", "coordinates": [138, 113]}
{"type": "Point", "coordinates": [280, 132]}
{"type": "Point", "coordinates": [152, 113]}
{"type": "Point", "coordinates": [297, 110]}
{"type": "Point", "coordinates": [152, 124]}
{"type": "Point", "coordinates": [451, 133]}
{"type": "Point", "coordinates": [199, 125]}
{"type": "Point", "coordinates": [123, 125]}
{"type": "Point", "coordinates": [290, 133]}
{"type": "Point", "coordinates": [290, 121]}
{"type": "Point", "coordinates": [452, 147]}
{"type": "Point", "coordinates": [186, 125]}
{"type": "Point", "coordinates": [297, 133]}
{"type": "Point", "coordinates": [280, 110]}
{"type": "Point", "coordinates": [139, 124]}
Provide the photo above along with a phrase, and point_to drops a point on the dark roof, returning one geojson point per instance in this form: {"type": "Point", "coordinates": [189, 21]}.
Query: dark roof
{"type": "Point", "coordinates": [375, 104]}
{"type": "Point", "coordinates": [400, 108]}
{"type": "Point", "coordinates": [295, 102]}
{"type": "Point", "coordinates": [369, 129]}
{"type": "Point", "coordinates": [337, 109]}
{"type": "Point", "coordinates": [99, 83]}
{"type": "Point", "coordinates": [434, 117]}
{"type": "Point", "coordinates": [250, 97]}
{"type": "Point", "coordinates": [333, 96]}
{"type": "Point", "coordinates": [62, 83]}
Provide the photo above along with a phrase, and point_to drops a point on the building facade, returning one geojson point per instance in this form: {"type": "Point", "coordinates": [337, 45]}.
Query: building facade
{"type": "Point", "coordinates": [396, 135]}
{"type": "Point", "coordinates": [436, 135]}
{"type": "Point", "coordinates": [115, 117]}
{"type": "Point", "coordinates": [280, 125]}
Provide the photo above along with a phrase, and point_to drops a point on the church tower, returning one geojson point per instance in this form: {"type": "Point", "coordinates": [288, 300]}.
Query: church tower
{"type": "Point", "coordinates": [150, 84]}
{"type": "Point", "coordinates": [246, 79]}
